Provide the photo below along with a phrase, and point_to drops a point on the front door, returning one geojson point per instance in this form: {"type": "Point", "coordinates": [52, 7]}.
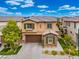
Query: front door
{"type": "Point", "coordinates": [50, 40]}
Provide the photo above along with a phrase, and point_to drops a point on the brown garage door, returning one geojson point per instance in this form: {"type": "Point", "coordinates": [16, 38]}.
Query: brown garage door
{"type": "Point", "coordinates": [33, 38]}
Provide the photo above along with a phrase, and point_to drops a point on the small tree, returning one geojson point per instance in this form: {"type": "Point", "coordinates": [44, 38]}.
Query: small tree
{"type": "Point", "coordinates": [11, 33]}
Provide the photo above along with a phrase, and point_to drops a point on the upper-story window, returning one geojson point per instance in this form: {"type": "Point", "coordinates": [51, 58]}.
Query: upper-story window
{"type": "Point", "coordinates": [68, 23]}
{"type": "Point", "coordinates": [49, 25]}
{"type": "Point", "coordinates": [28, 26]}
{"type": "Point", "coordinates": [74, 24]}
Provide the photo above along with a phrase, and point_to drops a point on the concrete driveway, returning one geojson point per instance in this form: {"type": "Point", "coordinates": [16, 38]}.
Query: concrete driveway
{"type": "Point", "coordinates": [34, 51]}
{"type": "Point", "coordinates": [29, 51]}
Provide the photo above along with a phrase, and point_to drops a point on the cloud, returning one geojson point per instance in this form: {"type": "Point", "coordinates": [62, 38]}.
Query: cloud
{"type": "Point", "coordinates": [68, 7]}
{"type": "Point", "coordinates": [74, 13]}
{"type": "Point", "coordinates": [36, 14]}
{"type": "Point", "coordinates": [18, 0]}
{"type": "Point", "coordinates": [4, 11]}
{"type": "Point", "coordinates": [50, 11]}
{"type": "Point", "coordinates": [29, 1]}
{"type": "Point", "coordinates": [42, 10]}
{"type": "Point", "coordinates": [22, 3]}
{"type": "Point", "coordinates": [26, 5]}
{"type": "Point", "coordinates": [14, 8]}
{"type": "Point", "coordinates": [42, 6]}
{"type": "Point", "coordinates": [18, 13]}
{"type": "Point", "coordinates": [11, 2]}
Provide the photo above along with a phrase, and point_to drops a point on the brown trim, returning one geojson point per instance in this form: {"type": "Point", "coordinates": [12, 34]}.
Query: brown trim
{"type": "Point", "coordinates": [28, 20]}
{"type": "Point", "coordinates": [40, 21]}
{"type": "Point", "coordinates": [31, 33]}
{"type": "Point", "coordinates": [50, 33]}
{"type": "Point", "coordinates": [46, 21]}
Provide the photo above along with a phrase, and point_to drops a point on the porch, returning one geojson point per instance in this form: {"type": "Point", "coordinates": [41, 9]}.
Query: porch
{"type": "Point", "coordinates": [49, 39]}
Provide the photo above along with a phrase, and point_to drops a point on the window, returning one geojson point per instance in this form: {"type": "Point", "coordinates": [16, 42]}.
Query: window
{"type": "Point", "coordinates": [28, 26]}
{"type": "Point", "coordinates": [68, 23]}
{"type": "Point", "coordinates": [49, 25]}
{"type": "Point", "coordinates": [74, 24]}
{"type": "Point", "coordinates": [54, 40]}
{"type": "Point", "coordinates": [49, 40]}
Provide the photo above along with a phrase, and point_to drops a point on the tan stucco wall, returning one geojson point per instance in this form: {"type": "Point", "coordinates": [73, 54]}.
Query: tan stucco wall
{"type": "Point", "coordinates": [40, 27]}
{"type": "Point", "coordinates": [19, 24]}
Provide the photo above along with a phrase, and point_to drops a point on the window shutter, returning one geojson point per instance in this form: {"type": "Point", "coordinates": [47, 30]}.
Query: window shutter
{"type": "Point", "coordinates": [24, 26]}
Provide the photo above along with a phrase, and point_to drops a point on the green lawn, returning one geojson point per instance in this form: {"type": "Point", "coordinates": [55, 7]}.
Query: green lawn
{"type": "Point", "coordinates": [9, 51]}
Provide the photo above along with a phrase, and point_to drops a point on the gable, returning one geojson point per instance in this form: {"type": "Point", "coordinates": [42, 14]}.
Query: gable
{"type": "Point", "coordinates": [29, 21]}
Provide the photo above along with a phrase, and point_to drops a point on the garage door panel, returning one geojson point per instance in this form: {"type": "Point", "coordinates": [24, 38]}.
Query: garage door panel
{"type": "Point", "coordinates": [33, 38]}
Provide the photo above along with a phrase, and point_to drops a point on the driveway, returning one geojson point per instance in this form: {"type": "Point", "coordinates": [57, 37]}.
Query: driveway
{"type": "Point", "coordinates": [34, 51]}
{"type": "Point", "coordinates": [29, 51]}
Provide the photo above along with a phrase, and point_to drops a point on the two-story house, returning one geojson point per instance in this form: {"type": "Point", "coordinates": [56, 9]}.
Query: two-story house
{"type": "Point", "coordinates": [35, 29]}
{"type": "Point", "coordinates": [40, 29]}
{"type": "Point", "coordinates": [72, 22]}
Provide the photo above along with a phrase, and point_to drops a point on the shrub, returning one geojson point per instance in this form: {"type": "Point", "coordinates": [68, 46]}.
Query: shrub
{"type": "Point", "coordinates": [9, 51]}
{"type": "Point", "coordinates": [53, 52]}
{"type": "Point", "coordinates": [46, 51]}
{"type": "Point", "coordinates": [62, 52]}
{"type": "Point", "coordinates": [77, 52]}
{"type": "Point", "coordinates": [17, 50]}
{"type": "Point", "coordinates": [5, 49]}
{"type": "Point", "coordinates": [72, 53]}
{"type": "Point", "coordinates": [66, 50]}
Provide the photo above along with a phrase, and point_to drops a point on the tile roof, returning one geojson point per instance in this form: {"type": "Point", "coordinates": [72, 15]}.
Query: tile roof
{"type": "Point", "coordinates": [38, 18]}
{"type": "Point", "coordinates": [6, 18]}
{"type": "Point", "coordinates": [50, 31]}
{"type": "Point", "coordinates": [41, 18]}
{"type": "Point", "coordinates": [73, 19]}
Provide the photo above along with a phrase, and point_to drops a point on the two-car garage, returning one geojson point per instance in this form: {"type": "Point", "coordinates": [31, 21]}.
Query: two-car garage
{"type": "Point", "coordinates": [33, 38]}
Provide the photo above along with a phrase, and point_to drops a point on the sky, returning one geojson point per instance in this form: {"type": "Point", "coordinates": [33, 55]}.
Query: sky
{"type": "Point", "coordinates": [57, 8]}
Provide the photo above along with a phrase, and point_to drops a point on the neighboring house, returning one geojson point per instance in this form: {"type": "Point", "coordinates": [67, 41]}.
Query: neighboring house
{"type": "Point", "coordinates": [72, 22]}
{"type": "Point", "coordinates": [4, 20]}
{"type": "Point", "coordinates": [38, 29]}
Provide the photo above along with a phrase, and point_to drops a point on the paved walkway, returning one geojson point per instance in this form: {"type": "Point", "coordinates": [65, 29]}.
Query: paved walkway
{"type": "Point", "coordinates": [34, 51]}
{"type": "Point", "coordinates": [57, 48]}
